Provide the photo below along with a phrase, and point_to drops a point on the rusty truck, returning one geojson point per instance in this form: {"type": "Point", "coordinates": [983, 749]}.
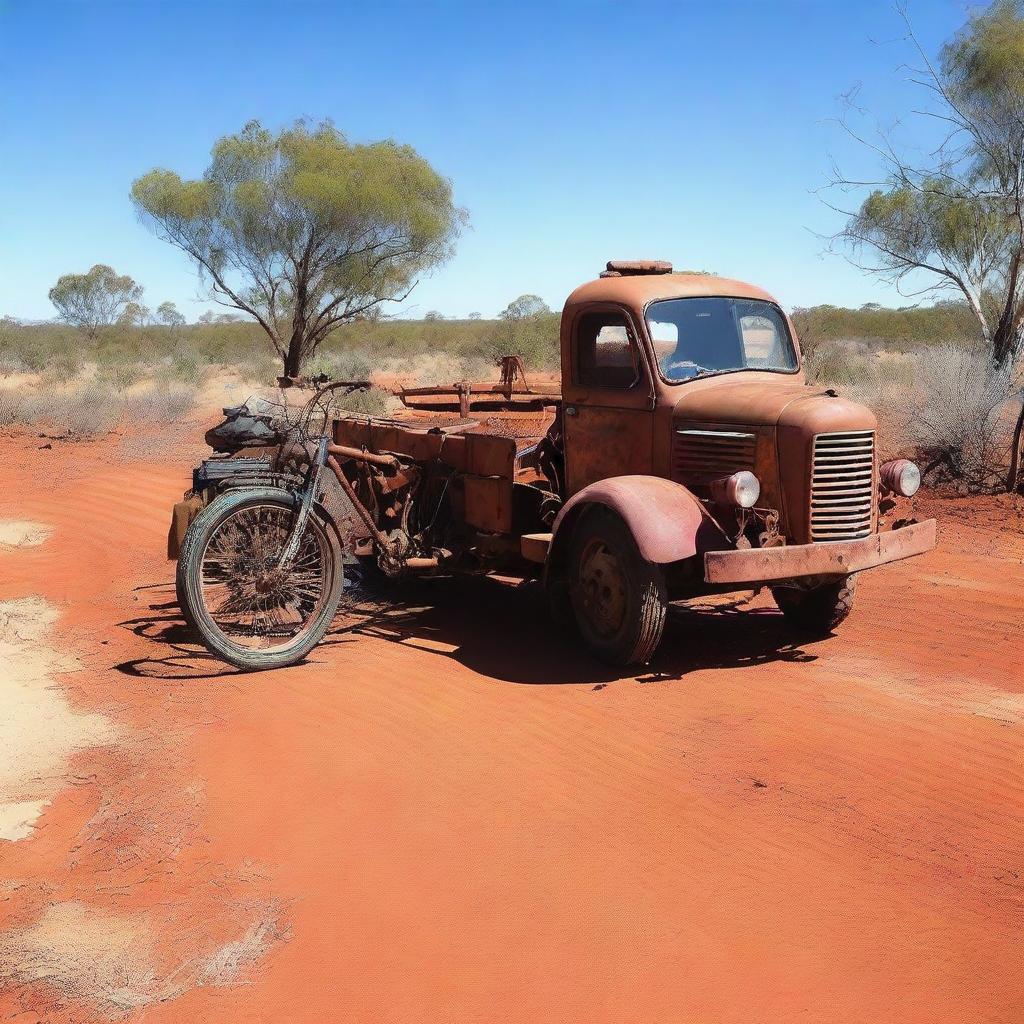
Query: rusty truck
{"type": "Point", "coordinates": [682, 454]}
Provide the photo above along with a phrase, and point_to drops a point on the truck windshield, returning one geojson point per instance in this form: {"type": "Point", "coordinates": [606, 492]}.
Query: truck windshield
{"type": "Point", "coordinates": [703, 336]}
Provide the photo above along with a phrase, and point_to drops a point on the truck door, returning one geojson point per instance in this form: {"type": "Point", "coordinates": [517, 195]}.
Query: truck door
{"type": "Point", "coordinates": [609, 400]}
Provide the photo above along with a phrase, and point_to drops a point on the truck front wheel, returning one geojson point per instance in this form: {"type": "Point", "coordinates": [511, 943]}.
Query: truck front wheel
{"type": "Point", "coordinates": [618, 599]}
{"type": "Point", "coordinates": [819, 610]}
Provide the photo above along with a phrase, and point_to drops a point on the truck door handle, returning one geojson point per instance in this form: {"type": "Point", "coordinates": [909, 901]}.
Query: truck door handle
{"type": "Point", "coordinates": [570, 410]}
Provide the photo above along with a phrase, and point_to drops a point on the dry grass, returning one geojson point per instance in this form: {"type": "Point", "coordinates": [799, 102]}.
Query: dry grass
{"type": "Point", "coordinates": [92, 409]}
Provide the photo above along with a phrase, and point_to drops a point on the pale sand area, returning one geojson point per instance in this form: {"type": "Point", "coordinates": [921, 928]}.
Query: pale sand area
{"type": "Point", "coordinates": [39, 730]}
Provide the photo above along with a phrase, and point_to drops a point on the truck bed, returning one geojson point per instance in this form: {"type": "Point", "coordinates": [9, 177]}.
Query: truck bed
{"type": "Point", "coordinates": [489, 454]}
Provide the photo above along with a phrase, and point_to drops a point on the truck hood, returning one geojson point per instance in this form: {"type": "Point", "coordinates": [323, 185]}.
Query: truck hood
{"type": "Point", "coordinates": [769, 403]}
{"type": "Point", "coordinates": [785, 417]}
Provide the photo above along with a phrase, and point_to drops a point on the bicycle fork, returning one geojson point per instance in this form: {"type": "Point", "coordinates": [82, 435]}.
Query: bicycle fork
{"type": "Point", "coordinates": [306, 497]}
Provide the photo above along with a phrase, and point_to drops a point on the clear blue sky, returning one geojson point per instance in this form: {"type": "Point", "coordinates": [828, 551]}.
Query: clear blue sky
{"type": "Point", "coordinates": [573, 132]}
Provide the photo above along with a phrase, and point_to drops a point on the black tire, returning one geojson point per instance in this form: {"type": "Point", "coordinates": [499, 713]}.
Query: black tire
{"type": "Point", "coordinates": [618, 599]}
{"type": "Point", "coordinates": [321, 548]}
{"type": "Point", "coordinates": [820, 610]}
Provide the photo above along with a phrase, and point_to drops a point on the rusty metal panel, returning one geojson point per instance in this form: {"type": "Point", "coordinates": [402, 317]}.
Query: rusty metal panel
{"type": "Point", "coordinates": [417, 444]}
{"type": "Point", "coordinates": [488, 455]}
{"type": "Point", "coordinates": [454, 452]}
{"type": "Point", "coordinates": [602, 442]}
{"type": "Point", "coordinates": [183, 514]}
{"type": "Point", "coordinates": [353, 432]}
{"type": "Point", "coordinates": [762, 565]}
{"type": "Point", "coordinates": [489, 503]}
{"type": "Point", "coordinates": [667, 522]}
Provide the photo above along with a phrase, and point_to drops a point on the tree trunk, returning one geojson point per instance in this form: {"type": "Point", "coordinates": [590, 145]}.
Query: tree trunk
{"type": "Point", "coordinates": [1013, 477]}
{"type": "Point", "coordinates": [1004, 341]}
{"type": "Point", "coordinates": [293, 358]}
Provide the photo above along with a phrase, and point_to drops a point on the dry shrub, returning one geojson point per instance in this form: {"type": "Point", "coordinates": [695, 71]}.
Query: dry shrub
{"type": "Point", "coordinates": [11, 363]}
{"type": "Point", "coordinates": [12, 409]}
{"type": "Point", "coordinates": [437, 366]}
{"type": "Point", "coordinates": [64, 368]}
{"type": "Point", "coordinates": [952, 410]}
{"type": "Point", "coordinates": [86, 412]}
{"type": "Point", "coordinates": [431, 368]}
{"type": "Point", "coordinates": [961, 424]}
{"type": "Point", "coordinates": [343, 364]}
{"type": "Point", "coordinates": [845, 364]}
{"type": "Point", "coordinates": [184, 366]}
{"type": "Point", "coordinates": [161, 405]}
{"type": "Point", "coordinates": [372, 402]}
{"type": "Point", "coordinates": [259, 368]}
{"type": "Point", "coordinates": [120, 376]}
{"type": "Point", "coordinates": [21, 409]}
{"type": "Point", "coordinates": [93, 409]}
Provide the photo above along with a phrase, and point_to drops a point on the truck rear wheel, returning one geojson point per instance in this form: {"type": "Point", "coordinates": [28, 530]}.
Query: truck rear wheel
{"type": "Point", "coordinates": [819, 610]}
{"type": "Point", "coordinates": [618, 599]}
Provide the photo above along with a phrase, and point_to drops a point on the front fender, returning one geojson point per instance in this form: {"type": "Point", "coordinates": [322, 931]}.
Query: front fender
{"type": "Point", "coordinates": [666, 520]}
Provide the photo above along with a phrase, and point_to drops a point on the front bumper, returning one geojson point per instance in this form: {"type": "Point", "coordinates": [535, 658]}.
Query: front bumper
{"type": "Point", "coordinates": [839, 558]}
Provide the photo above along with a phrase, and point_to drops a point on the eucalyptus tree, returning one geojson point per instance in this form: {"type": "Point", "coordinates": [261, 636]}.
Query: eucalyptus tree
{"type": "Point", "coordinates": [303, 230]}
{"type": "Point", "coordinates": [953, 219]}
{"type": "Point", "coordinates": [168, 314]}
{"type": "Point", "coordinates": [96, 299]}
{"type": "Point", "coordinates": [528, 328]}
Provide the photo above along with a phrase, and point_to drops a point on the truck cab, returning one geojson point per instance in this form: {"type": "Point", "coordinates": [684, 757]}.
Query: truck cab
{"type": "Point", "coordinates": [689, 430]}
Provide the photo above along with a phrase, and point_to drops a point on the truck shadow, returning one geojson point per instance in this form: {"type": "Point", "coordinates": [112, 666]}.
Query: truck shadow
{"type": "Point", "coordinates": [503, 631]}
{"type": "Point", "coordinates": [497, 629]}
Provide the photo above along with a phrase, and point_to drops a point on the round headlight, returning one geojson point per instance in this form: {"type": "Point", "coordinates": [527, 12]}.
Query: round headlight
{"type": "Point", "coordinates": [742, 489]}
{"type": "Point", "coordinates": [901, 477]}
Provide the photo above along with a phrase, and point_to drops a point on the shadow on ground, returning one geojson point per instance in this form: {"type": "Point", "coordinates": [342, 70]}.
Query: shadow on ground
{"type": "Point", "coordinates": [497, 629]}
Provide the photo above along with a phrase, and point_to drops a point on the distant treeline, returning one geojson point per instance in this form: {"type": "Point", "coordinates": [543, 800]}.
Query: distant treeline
{"type": "Point", "coordinates": [32, 347]}
{"type": "Point", "coordinates": [881, 327]}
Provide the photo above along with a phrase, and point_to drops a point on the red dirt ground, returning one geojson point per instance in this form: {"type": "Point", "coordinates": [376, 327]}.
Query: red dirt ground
{"type": "Point", "coordinates": [452, 814]}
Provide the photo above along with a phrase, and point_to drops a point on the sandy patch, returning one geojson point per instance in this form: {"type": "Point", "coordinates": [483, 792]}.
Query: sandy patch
{"type": "Point", "coordinates": [86, 953]}
{"type": "Point", "coordinates": [233, 962]}
{"type": "Point", "coordinates": [81, 950]}
{"type": "Point", "coordinates": [39, 730]}
{"type": "Point", "coordinates": [18, 819]}
{"type": "Point", "coordinates": [21, 534]}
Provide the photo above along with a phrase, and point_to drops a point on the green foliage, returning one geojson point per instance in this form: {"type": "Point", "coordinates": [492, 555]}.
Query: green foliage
{"type": "Point", "coordinates": [983, 65]}
{"type": "Point", "coordinates": [897, 330]}
{"type": "Point", "coordinates": [303, 230]}
{"type": "Point", "coordinates": [527, 328]}
{"type": "Point", "coordinates": [96, 299]}
{"type": "Point", "coordinates": [168, 315]}
{"type": "Point", "coordinates": [372, 402]}
{"type": "Point", "coordinates": [185, 365]}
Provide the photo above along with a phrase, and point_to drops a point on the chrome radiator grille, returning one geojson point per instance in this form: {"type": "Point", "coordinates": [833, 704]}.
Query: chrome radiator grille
{"type": "Point", "coordinates": [700, 456]}
{"type": "Point", "coordinates": [843, 485]}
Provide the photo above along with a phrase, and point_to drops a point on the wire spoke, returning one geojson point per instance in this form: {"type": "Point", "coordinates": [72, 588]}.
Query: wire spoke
{"type": "Point", "coordinates": [250, 598]}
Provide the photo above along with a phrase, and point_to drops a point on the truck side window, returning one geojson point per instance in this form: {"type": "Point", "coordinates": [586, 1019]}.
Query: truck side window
{"type": "Point", "coordinates": [606, 355]}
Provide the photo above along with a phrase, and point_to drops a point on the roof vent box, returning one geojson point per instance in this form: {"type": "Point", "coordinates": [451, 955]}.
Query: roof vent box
{"type": "Point", "coordinates": [633, 268]}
